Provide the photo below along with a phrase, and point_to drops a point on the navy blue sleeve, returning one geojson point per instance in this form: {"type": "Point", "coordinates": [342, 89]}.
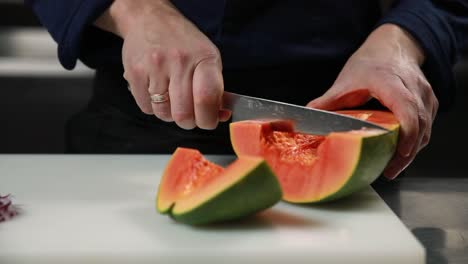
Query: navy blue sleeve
{"type": "Point", "coordinates": [66, 20]}
{"type": "Point", "coordinates": [69, 23]}
{"type": "Point", "coordinates": [441, 28]}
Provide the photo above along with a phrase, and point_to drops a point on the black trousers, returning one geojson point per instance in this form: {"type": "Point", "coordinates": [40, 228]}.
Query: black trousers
{"type": "Point", "coordinates": [113, 123]}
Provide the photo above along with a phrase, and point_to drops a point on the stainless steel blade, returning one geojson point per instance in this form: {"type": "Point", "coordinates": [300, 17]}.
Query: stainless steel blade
{"type": "Point", "coordinates": [306, 120]}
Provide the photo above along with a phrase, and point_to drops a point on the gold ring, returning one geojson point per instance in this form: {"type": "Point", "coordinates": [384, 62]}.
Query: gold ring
{"type": "Point", "coordinates": [159, 98]}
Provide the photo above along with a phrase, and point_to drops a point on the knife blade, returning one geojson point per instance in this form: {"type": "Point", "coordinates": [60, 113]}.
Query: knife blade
{"type": "Point", "coordinates": [305, 119]}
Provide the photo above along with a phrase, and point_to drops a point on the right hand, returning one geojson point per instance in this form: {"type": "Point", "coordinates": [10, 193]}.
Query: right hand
{"type": "Point", "coordinates": [164, 52]}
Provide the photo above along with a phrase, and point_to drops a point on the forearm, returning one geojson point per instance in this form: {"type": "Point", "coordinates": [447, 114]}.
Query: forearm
{"type": "Point", "coordinates": [123, 15]}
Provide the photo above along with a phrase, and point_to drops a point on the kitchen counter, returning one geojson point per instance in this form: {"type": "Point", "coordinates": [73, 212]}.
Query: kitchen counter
{"type": "Point", "coordinates": [435, 210]}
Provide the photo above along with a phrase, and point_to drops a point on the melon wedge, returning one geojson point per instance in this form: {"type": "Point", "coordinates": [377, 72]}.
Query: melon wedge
{"type": "Point", "coordinates": [195, 191]}
{"type": "Point", "coordinates": [314, 168]}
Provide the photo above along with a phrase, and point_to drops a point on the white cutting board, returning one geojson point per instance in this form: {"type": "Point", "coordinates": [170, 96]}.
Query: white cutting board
{"type": "Point", "coordinates": [101, 209]}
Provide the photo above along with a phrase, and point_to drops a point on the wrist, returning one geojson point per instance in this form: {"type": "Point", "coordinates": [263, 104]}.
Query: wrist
{"type": "Point", "coordinates": [395, 41]}
{"type": "Point", "coordinates": [410, 44]}
{"type": "Point", "coordinates": [117, 18]}
{"type": "Point", "coordinates": [123, 15]}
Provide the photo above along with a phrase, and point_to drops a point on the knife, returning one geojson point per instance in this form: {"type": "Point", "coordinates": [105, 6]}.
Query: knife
{"type": "Point", "coordinates": [306, 120]}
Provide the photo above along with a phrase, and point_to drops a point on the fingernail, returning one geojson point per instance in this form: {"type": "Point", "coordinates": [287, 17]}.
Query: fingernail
{"type": "Point", "coordinates": [390, 177]}
{"type": "Point", "coordinates": [405, 153]}
{"type": "Point", "coordinates": [385, 178]}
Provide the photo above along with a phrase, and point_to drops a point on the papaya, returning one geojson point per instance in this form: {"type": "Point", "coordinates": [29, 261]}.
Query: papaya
{"type": "Point", "coordinates": [196, 191]}
{"type": "Point", "coordinates": [312, 168]}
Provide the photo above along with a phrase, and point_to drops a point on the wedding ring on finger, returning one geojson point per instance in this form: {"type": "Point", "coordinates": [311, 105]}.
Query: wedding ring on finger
{"type": "Point", "coordinates": [159, 98]}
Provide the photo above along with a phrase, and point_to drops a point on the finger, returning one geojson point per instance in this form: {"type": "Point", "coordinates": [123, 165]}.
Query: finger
{"type": "Point", "coordinates": [137, 79]}
{"type": "Point", "coordinates": [207, 92]}
{"type": "Point", "coordinates": [435, 108]}
{"type": "Point", "coordinates": [425, 124]}
{"type": "Point", "coordinates": [429, 120]}
{"type": "Point", "coordinates": [334, 100]}
{"type": "Point", "coordinates": [159, 84]}
{"type": "Point", "coordinates": [397, 165]}
{"type": "Point", "coordinates": [428, 108]}
{"type": "Point", "coordinates": [180, 91]}
{"type": "Point", "coordinates": [427, 94]}
{"type": "Point", "coordinates": [424, 127]}
{"type": "Point", "coordinates": [409, 129]}
{"type": "Point", "coordinates": [161, 110]}
{"type": "Point", "coordinates": [224, 115]}
{"type": "Point", "coordinates": [432, 113]}
{"type": "Point", "coordinates": [396, 97]}
{"type": "Point", "coordinates": [432, 116]}
{"type": "Point", "coordinates": [429, 98]}
{"type": "Point", "coordinates": [425, 98]}
{"type": "Point", "coordinates": [426, 138]}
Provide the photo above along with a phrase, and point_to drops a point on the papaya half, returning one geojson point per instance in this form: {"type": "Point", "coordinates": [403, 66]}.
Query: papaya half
{"type": "Point", "coordinates": [196, 191]}
{"type": "Point", "coordinates": [313, 168]}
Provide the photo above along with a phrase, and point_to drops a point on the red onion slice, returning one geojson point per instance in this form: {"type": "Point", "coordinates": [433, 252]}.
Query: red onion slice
{"type": "Point", "coordinates": [7, 209]}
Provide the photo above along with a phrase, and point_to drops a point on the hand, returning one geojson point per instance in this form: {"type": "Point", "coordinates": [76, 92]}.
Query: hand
{"type": "Point", "coordinates": [387, 67]}
{"type": "Point", "coordinates": [164, 52]}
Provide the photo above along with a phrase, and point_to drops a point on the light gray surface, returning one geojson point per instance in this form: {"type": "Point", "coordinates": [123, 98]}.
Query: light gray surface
{"type": "Point", "coordinates": [27, 52]}
{"type": "Point", "coordinates": [101, 209]}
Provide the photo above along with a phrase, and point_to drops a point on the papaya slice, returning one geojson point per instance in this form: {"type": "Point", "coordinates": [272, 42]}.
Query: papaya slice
{"type": "Point", "coordinates": [313, 168]}
{"type": "Point", "coordinates": [195, 191]}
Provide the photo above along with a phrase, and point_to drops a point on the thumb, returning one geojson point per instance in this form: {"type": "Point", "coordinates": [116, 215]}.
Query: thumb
{"type": "Point", "coordinates": [324, 102]}
{"type": "Point", "coordinates": [332, 100]}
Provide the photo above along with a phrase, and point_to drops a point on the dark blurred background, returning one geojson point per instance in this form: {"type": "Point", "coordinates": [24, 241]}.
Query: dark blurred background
{"type": "Point", "coordinates": [38, 96]}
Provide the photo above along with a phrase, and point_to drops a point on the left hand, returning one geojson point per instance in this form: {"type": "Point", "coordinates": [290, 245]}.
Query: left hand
{"type": "Point", "coordinates": [387, 67]}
